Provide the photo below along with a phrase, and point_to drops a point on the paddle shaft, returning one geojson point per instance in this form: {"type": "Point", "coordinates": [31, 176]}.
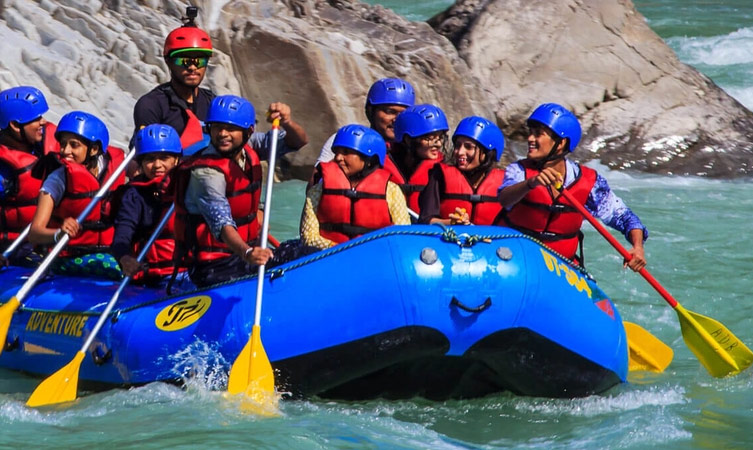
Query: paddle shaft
{"type": "Point", "coordinates": [267, 211]}
{"type": "Point", "coordinates": [124, 283]}
{"type": "Point", "coordinates": [15, 244]}
{"type": "Point", "coordinates": [619, 247]}
{"type": "Point", "coordinates": [65, 238]}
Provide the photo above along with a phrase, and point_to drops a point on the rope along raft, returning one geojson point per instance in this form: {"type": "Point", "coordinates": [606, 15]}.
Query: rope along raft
{"type": "Point", "coordinates": [444, 233]}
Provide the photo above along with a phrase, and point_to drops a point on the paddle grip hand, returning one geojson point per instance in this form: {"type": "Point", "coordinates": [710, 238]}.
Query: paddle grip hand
{"type": "Point", "coordinates": [70, 227]}
{"type": "Point", "coordinates": [257, 256]}
{"type": "Point", "coordinates": [131, 266]}
{"type": "Point", "coordinates": [459, 217]}
{"type": "Point", "coordinates": [636, 259]}
{"type": "Point", "coordinates": [280, 111]}
{"type": "Point", "coordinates": [547, 177]}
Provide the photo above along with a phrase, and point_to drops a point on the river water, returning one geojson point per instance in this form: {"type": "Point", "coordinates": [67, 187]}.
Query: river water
{"type": "Point", "coordinates": [698, 249]}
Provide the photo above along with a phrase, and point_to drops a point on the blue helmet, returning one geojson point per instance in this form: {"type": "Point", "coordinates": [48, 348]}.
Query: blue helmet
{"type": "Point", "coordinates": [362, 139]}
{"type": "Point", "coordinates": [158, 138]}
{"type": "Point", "coordinates": [391, 91]}
{"type": "Point", "coordinates": [419, 120]}
{"type": "Point", "coordinates": [488, 135]}
{"type": "Point", "coordinates": [232, 110]}
{"type": "Point", "coordinates": [560, 120]}
{"type": "Point", "coordinates": [21, 104]}
{"type": "Point", "coordinates": [85, 125]}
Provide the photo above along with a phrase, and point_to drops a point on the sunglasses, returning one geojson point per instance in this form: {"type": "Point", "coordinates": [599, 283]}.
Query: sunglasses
{"type": "Point", "coordinates": [187, 61]}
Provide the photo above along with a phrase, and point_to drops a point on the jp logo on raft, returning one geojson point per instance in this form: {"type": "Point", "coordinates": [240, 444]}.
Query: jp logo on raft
{"type": "Point", "coordinates": [182, 313]}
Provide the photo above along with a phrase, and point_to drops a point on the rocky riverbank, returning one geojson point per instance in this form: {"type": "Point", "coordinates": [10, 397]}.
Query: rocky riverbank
{"type": "Point", "coordinates": [641, 108]}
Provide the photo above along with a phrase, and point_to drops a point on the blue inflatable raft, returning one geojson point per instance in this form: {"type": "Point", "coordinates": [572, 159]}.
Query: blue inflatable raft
{"type": "Point", "coordinates": [406, 311]}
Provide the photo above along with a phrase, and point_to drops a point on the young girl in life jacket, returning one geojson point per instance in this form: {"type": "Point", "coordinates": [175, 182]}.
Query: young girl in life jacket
{"type": "Point", "coordinates": [143, 203]}
{"type": "Point", "coordinates": [83, 165]}
{"type": "Point", "coordinates": [420, 136]}
{"type": "Point", "coordinates": [352, 194]}
{"type": "Point", "coordinates": [464, 191]}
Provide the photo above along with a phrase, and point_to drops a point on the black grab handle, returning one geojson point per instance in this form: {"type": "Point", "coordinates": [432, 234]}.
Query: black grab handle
{"type": "Point", "coordinates": [482, 307]}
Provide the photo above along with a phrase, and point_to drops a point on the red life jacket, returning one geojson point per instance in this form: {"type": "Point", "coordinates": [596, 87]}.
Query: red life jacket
{"type": "Point", "coordinates": [391, 167]}
{"type": "Point", "coordinates": [193, 132]}
{"type": "Point", "coordinates": [159, 257]}
{"type": "Point", "coordinates": [80, 188]}
{"type": "Point", "coordinates": [412, 186]}
{"type": "Point", "coordinates": [243, 191]}
{"type": "Point", "coordinates": [417, 182]}
{"type": "Point", "coordinates": [18, 207]}
{"type": "Point", "coordinates": [554, 222]}
{"type": "Point", "coordinates": [481, 203]}
{"type": "Point", "coordinates": [345, 213]}
{"type": "Point", "coordinates": [49, 143]}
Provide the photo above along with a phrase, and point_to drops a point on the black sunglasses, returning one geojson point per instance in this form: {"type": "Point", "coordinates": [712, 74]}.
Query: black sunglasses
{"type": "Point", "coordinates": [188, 61]}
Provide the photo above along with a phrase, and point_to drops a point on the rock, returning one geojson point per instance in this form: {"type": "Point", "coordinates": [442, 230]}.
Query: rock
{"type": "Point", "coordinates": [640, 107]}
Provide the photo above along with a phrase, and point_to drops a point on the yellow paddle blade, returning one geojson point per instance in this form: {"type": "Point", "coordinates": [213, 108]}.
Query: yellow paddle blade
{"type": "Point", "coordinates": [59, 387]}
{"type": "Point", "coordinates": [720, 351]}
{"type": "Point", "coordinates": [252, 375]}
{"type": "Point", "coordinates": [237, 380]}
{"type": "Point", "coordinates": [646, 351]}
{"type": "Point", "coordinates": [6, 314]}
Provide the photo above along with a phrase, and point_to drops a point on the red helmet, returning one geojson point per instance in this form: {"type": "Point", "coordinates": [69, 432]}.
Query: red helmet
{"type": "Point", "coordinates": [187, 38]}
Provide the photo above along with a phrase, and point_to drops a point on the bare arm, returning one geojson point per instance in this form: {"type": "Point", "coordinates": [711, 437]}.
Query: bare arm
{"type": "Point", "coordinates": [238, 246]}
{"type": "Point", "coordinates": [39, 233]}
{"type": "Point", "coordinates": [295, 135]}
{"type": "Point", "coordinates": [638, 260]}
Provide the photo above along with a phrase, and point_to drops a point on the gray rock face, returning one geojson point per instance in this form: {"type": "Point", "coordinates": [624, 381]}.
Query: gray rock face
{"type": "Point", "coordinates": [640, 107]}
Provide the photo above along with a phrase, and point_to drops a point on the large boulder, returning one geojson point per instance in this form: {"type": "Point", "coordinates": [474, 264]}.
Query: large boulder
{"type": "Point", "coordinates": [320, 57]}
{"type": "Point", "coordinates": [640, 107]}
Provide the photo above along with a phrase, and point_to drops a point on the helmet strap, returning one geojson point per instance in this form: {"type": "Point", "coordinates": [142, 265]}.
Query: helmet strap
{"type": "Point", "coordinates": [234, 152]}
{"type": "Point", "coordinates": [552, 156]}
{"type": "Point", "coordinates": [370, 165]}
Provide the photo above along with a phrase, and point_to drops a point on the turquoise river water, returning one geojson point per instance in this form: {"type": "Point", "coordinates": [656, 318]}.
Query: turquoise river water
{"type": "Point", "coordinates": [698, 249]}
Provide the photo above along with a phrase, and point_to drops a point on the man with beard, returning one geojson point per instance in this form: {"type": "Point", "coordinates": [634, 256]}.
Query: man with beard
{"type": "Point", "coordinates": [217, 192]}
{"type": "Point", "coordinates": [182, 104]}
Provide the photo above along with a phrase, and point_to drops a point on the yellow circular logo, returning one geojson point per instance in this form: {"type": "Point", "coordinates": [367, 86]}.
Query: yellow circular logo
{"type": "Point", "coordinates": [182, 313]}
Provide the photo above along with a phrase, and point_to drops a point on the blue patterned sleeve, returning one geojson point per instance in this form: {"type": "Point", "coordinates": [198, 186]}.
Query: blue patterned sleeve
{"type": "Point", "coordinates": [209, 185]}
{"type": "Point", "coordinates": [606, 205]}
{"type": "Point", "coordinates": [514, 174]}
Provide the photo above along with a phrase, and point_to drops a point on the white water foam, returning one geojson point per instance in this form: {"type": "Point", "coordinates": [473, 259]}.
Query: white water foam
{"type": "Point", "coordinates": [724, 50]}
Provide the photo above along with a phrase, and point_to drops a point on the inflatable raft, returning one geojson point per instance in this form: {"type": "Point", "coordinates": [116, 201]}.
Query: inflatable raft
{"type": "Point", "coordinates": [407, 311]}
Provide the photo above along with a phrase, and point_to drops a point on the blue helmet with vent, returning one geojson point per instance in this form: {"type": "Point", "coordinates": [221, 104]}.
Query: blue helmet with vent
{"type": "Point", "coordinates": [391, 91]}
{"type": "Point", "coordinates": [560, 120]}
{"type": "Point", "coordinates": [233, 110]}
{"type": "Point", "coordinates": [484, 132]}
{"type": "Point", "coordinates": [361, 139]}
{"type": "Point", "coordinates": [85, 125]}
{"type": "Point", "coordinates": [22, 104]}
{"type": "Point", "coordinates": [419, 120]}
{"type": "Point", "coordinates": [157, 138]}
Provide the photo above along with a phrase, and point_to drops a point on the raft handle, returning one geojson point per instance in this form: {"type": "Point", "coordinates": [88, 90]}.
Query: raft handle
{"type": "Point", "coordinates": [99, 358]}
{"type": "Point", "coordinates": [482, 307]}
{"type": "Point", "coordinates": [11, 344]}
